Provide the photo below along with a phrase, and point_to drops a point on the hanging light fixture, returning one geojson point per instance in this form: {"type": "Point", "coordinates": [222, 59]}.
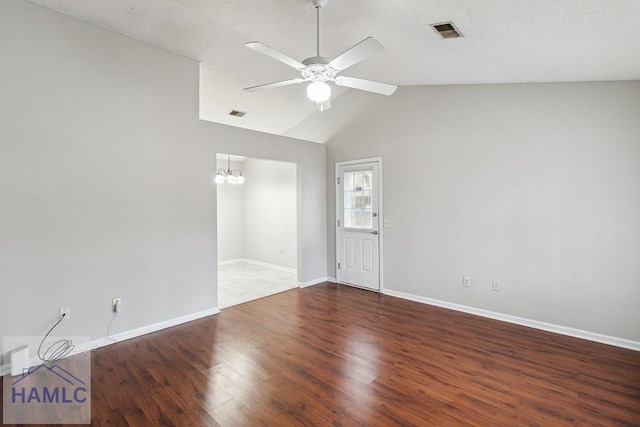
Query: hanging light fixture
{"type": "Point", "coordinates": [231, 176]}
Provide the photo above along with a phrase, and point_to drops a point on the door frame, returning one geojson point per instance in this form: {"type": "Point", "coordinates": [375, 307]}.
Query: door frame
{"type": "Point", "coordinates": [380, 217]}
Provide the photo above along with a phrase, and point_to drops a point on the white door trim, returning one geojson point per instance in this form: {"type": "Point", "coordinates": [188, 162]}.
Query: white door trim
{"type": "Point", "coordinates": [380, 213]}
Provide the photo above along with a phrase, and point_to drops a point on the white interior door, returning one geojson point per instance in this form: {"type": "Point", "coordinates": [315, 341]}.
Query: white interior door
{"type": "Point", "coordinates": [357, 228]}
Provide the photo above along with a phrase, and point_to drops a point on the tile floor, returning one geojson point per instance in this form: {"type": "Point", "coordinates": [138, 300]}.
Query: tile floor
{"type": "Point", "coordinates": [244, 281]}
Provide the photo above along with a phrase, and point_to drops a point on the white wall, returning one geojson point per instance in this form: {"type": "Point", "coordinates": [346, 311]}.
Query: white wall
{"type": "Point", "coordinates": [106, 179]}
{"type": "Point", "coordinates": [270, 212]}
{"type": "Point", "coordinates": [536, 185]}
{"type": "Point", "coordinates": [231, 217]}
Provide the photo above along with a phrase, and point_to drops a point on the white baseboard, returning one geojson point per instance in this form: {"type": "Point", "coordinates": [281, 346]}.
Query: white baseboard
{"type": "Point", "coordinates": [314, 282]}
{"type": "Point", "coordinates": [126, 335]}
{"type": "Point", "coordinates": [231, 261]}
{"type": "Point", "coordinates": [260, 263]}
{"type": "Point", "coordinates": [549, 327]}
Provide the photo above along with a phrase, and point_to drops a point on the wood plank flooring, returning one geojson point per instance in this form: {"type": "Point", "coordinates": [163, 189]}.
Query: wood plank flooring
{"type": "Point", "coordinates": [332, 355]}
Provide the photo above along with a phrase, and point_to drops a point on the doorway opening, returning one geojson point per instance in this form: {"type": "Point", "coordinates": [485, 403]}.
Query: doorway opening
{"type": "Point", "coordinates": [256, 229]}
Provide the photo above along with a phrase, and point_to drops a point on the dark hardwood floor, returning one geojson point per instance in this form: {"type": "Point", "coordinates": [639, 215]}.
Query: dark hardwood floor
{"type": "Point", "coordinates": [331, 355]}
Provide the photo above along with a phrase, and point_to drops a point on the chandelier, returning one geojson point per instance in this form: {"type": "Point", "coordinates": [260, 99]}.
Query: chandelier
{"type": "Point", "coordinates": [231, 176]}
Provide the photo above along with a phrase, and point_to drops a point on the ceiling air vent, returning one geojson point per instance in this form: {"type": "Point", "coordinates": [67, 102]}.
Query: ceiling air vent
{"type": "Point", "coordinates": [237, 113]}
{"type": "Point", "coordinates": [447, 30]}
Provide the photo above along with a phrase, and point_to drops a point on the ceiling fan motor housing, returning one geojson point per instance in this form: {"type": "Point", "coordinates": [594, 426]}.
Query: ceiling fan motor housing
{"type": "Point", "coordinates": [318, 70]}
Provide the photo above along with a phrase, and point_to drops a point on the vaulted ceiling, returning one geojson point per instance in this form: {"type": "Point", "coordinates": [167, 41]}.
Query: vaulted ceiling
{"type": "Point", "coordinates": [505, 41]}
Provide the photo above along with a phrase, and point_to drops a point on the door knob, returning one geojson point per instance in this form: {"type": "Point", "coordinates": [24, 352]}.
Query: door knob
{"type": "Point", "coordinates": [374, 232]}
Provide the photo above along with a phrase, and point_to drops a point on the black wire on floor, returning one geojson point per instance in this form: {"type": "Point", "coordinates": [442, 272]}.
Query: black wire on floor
{"type": "Point", "coordinates": [58, 349]}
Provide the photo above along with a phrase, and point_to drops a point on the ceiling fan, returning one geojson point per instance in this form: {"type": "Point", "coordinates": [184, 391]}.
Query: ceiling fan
{"type": "Point", "coordinates": [319, 70]}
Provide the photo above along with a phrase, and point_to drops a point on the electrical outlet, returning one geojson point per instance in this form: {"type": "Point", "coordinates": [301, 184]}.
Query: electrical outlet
{"type": "Point", "coordinates": [466, 282]}
{"type": "Point", "coordinates": [66, 312]}
{"type": "Point", "coordinates": [495, 285]}
{"type": "Point", "coordinates": [116, 305]}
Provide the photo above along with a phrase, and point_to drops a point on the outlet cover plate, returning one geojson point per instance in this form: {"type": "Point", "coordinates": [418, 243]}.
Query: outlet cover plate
{"type": "Point", "coordinates": [495, 286]}
{"type": "Point", "coordinates": [66, 311]}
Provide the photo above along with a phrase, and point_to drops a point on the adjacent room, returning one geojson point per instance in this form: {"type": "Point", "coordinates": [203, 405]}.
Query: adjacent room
{"type": "Point", "coordinates": [257, 221]}
{"type": "Point", "coordinates": [312, 212]}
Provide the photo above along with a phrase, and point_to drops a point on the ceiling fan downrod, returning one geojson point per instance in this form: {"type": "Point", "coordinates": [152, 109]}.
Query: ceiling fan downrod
{"type": "Point", "coordinates": [319, 4]}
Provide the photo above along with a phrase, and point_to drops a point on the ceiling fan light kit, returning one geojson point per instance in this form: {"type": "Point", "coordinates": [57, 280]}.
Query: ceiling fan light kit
{"type": "Point", "coordinates": [318, 91]}
{"type": "Point", "coordinates": [318, 70]}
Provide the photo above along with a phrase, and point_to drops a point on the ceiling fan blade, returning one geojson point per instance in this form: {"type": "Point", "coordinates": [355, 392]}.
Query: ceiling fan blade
{"type": "Point", "coordinates": [273, 85]}
{"type": "Point", "coordinates": [357, 53]}
{"type": "Point", "coordinates": [323, 106]}
{"type": "Point", "coordinates": [368, 85]}
{"type": "Point", "coordinates": [263, 48]}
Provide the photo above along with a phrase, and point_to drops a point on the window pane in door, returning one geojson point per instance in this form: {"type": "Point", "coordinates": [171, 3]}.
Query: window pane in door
{"type": "Point", "coordinates": [358, 207]}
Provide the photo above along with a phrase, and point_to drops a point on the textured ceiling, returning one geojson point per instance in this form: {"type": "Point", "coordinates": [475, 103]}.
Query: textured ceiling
{"type": "Point", "coordinates": [506, 41]}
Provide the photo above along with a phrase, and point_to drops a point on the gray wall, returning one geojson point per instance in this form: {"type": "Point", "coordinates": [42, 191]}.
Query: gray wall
{"type": "Point", "coordinates": [106, 179]}
{"type": "Point", "coordinates": [535, 185]}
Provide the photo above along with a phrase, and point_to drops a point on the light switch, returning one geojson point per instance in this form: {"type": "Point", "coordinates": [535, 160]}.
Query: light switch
{"type": "Point", "coordinates": [387, 222]}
